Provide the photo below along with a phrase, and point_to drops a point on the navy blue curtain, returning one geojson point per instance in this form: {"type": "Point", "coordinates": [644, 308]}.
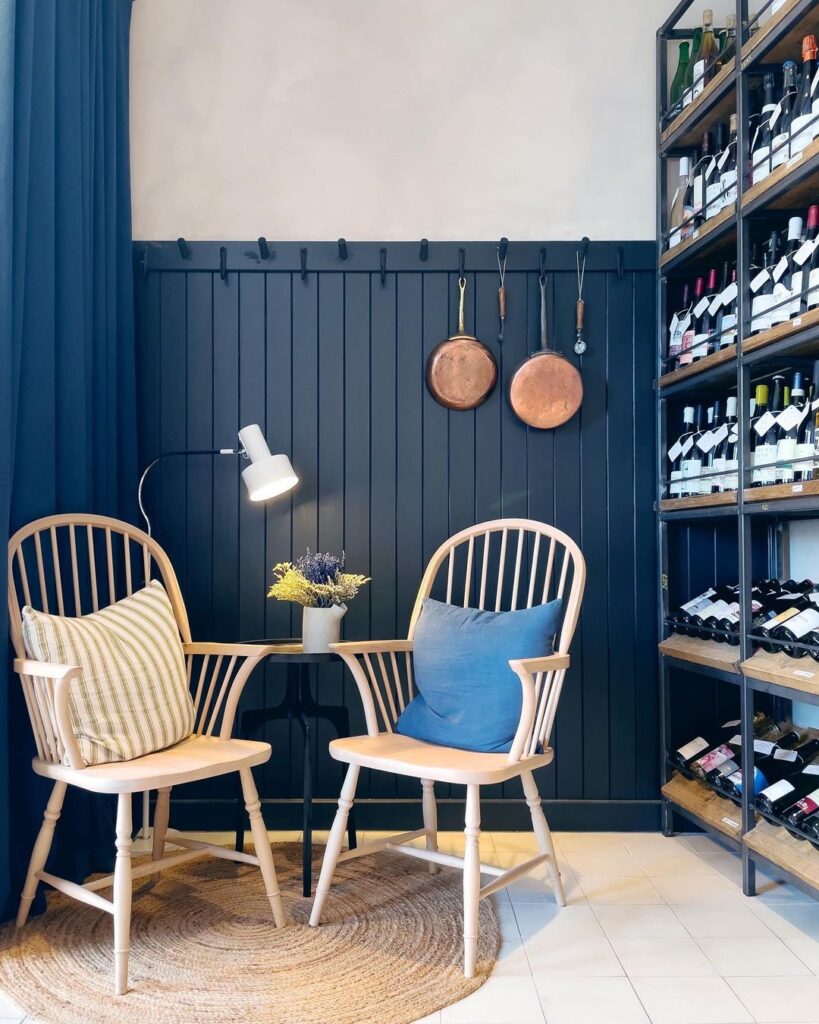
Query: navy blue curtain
{"type": "Point", "coordinates": [67, 389]}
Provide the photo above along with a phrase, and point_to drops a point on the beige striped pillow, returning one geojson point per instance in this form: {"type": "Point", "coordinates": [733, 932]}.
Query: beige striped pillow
{"type": "Point", "coordinates": [132, 697]}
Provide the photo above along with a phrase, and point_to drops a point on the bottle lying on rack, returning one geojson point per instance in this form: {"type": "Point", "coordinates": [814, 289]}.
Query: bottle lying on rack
{"type": "Point", "coordinates": [771, 763]}
{"type": "Point", "coordinates": [684, 756]}
{"type": "Point", "coordinates": [706, 319]}
{"type": "Point", "coordinates": [723, 760]}
{"type": "Point", "coordinates": [775, 800]}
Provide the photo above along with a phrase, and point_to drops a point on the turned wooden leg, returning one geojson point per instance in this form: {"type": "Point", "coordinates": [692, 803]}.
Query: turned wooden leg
{"type": "Point", "coordinates": [261, 842]}
{"type": "Point", "coordinates": [39, 854]}
{"type": "Point", "coordinates": [430, 819]}
{"type": "Point", "coordinates": [331, 854]}
{"type": "Point", "coordinates": [122, 894]}
{"type": "Point", "coordinates": [472, 878]}
{"type": "Point", "coordinates": [161, 814]}
{"type": "Point", "coordinates": [544, 836]}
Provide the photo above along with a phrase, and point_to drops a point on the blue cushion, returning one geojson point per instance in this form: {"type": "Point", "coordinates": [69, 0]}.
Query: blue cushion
{"type": "Point", "coordinates": [468, 697]}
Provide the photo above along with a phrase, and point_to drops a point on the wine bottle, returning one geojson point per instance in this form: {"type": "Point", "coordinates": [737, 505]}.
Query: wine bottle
{"type": "Point", "coordinates": [727, 166]}
{"type": "Point", "coordinates": [761, 142]}
{"type": "Point", "coordinates": [796, 629]}
{"type": "Point", "coordinates": [681, 619]}
{"type": "Point", "coordinates": [726, 751]}
{"type": "Point", "coordinates": [704, 617]}
{"type": "Point", "coordinates": [728, 40]}
{"type": "Point", "coordinates": [762, 287]}
{"type": "Point", "coordinates": [762, 632]}
{"type": "Point", "coordinates": [760, 421]}
{"type": "Point", "coordinates": [767, 766]}
{"type": "Point", "coordinates": [803, 258]}
{"type": "Point", "coordinates": [687, 343]}
{"type": "Point", "coordinates": [681, 215]}
{"type": "Point", "coordinates": [683, 756]}
{"type": "Point", "coordinates": [714, 199]}
{"type": "Point", "coordinates": [708, 324]}
{"type": "Point", "coordinates": [788, 422]}
{"type": "Point", "coordinates": [688, 88]}
{"type": "Point", "coordinates": [676, 330]}
{"type": "Point", "coordinates": [784, 793]}
{"type": "Point", "coordinates": [767, 430]}
{"type": "Point", "coordinates": [801, 809]}
{"type": "Point", "coordinates": [803, 128]}
{"type": "Point", "coordinates": [678, 82]}
{"type": "Point", "coordinates": [706, 56]}
{"type": "Point", "coordinates": [678, 451]}
{"type": "Point", "coordinates": [783, 115]}
{"type": "Point", "coordinates": [727, 326]}
{"type": "Point", "coordinates": [709, 446]}
{"type": "Point", "coordinates": [704, 171]}
{"type": "Point", "coordinates": [810, 274]}
{"type": "Point", "coordinates": [782, 274]}
{"type": "Point", "coordinates": [805, 439]}
{"type": "Point", "coordinates": [726, 456]}
{"type": "Point", "coordinates": [700, 318]}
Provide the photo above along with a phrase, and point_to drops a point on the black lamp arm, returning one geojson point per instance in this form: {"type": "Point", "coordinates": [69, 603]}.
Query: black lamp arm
{"type": "Point", "coordinates": [166, 455]}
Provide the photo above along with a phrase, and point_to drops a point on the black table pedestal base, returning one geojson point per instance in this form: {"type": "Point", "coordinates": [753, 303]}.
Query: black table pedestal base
{"type": "Point", "coordinates": [298, 704]}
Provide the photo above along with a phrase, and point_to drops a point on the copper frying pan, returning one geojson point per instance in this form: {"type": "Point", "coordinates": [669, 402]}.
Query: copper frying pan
{"type": "Point", "coordinates": [546, 389]}
{"type": "Point", "coordinates": [461, 371]}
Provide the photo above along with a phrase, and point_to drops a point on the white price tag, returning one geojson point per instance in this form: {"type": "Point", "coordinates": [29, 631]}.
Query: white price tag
{"type": "Point", "coordinates": [811, 769]}
{"type": "Point", "coordinates": [759, 280]}
{"type": "Point", "coordinates": [802, 254]}
{"type": "Point", "coordinates": [785, 755]}
{"type": "Point", "coordinates": [730, 725]}
{"type": "Point", "coordinates": [706, 442]}
{"type": "Point", "coordinates": [780, 268]}
{"type": "Point", "coordinates": [720, 434]}
{"type": "Point", "coordinates": [701, 306]}
{"type": "Point", "coordinates": [814, 83]}
{"type": "Point", "coordinates": [729, 294]}
{"type": "Point", "coordinates": [735, 741]}
{"type": "Point", "coordinates": [777, 110]}
{"type": "Point", "coordinates": [675, 451]}
{"type": "Point", "coordinates": [687, 445]}
{"type": "Point", "coordinates": [764, 423]}
{"type": "Point", "coordinates": [715, 304]}
{"type": "Point", "coordinates": [789, 417]}
{"type": "Point", "coordinates": [763, 746]}
{"type": "Point", "coordinates": [723, 157]}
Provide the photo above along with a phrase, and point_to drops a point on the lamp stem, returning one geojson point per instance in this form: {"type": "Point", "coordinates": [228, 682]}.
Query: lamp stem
{"type": "Point", "coordinates": [165, 455]}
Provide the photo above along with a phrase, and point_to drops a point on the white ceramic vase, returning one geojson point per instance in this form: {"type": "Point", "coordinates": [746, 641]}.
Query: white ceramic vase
{"type": "Point", "coordinates": [320, 627]}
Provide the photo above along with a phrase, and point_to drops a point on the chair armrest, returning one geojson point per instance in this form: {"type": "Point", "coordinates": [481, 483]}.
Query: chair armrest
{"type": "Point", "coordinates": [249, 656]}
{"type": "Point", "coordinates": [60, 676]}
{"type": "Point", "coordinates": [549, 663]}
{"type": "Point", "coordinates": [371, 647]}
{"type": "Point", "coordinates": [230, 650]}
{"type": "Point", "coordinates": [533, 710]}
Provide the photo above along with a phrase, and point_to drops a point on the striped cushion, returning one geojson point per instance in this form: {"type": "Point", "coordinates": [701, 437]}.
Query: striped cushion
{"type": "Point", "coordinates": [132, 697]}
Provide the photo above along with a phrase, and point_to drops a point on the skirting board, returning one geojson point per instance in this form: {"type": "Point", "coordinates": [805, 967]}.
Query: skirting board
{"type": "Point", "coordinates": [496, 815]}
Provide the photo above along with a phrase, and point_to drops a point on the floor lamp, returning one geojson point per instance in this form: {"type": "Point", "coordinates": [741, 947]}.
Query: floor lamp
{"type": "Point", "coordinates": [266, 476]}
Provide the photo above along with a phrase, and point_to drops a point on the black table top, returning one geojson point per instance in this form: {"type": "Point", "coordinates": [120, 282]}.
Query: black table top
{"type": "Point", "coordinates": [289, 650]}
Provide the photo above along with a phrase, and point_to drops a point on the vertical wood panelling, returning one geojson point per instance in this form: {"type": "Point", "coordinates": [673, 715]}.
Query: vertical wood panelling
{"type": "Point", "coordinates": [332, 367]}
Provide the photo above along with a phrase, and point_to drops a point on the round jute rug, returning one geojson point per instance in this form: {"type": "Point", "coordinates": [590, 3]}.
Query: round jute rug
{"type": "Point", "coordinates": [204, 949]}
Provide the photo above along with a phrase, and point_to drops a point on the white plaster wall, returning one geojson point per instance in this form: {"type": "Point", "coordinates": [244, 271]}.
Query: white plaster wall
{"type": "Point", "coordinates": [393, 119]}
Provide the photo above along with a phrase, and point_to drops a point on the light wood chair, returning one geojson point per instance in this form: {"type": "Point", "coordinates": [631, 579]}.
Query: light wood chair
{"type": "Point", "coordinates": [547, 564]}
{"type": "Point", "coordinates": [105, 560]}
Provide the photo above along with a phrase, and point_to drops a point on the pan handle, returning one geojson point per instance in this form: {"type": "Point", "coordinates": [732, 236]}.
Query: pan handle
{"type": "Point", "coordinates": [543, 339]}
{"type": "Point", "coordinates": [462, 290]}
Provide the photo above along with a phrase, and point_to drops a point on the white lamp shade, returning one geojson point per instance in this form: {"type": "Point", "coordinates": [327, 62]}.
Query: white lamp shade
{"type": "Point", "coordinates": [267, 475]}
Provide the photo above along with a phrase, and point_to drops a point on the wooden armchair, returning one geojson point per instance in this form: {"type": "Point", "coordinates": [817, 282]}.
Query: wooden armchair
{"type": "Point", "coordinates": [104, 560]}
{"type": "Point", "coordinates": [383, 673]}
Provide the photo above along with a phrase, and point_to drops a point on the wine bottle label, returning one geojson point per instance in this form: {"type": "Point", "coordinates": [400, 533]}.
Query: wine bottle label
{"type": "Point", "coordinates": [731, 478]}
{"type": "Point", "coordinates": [802, 133]}
{"type": "Point", "coordinates": [809, 804]}
{"type": "Point", "coordinates": [687, 98]}
{"type": "Point", "coordinates": [796, 294]}
{"type": "Point", "coordinates": [698, 192]}
{"type": "Point", "coordinates": [718, 467]}
{"type": "Point", "coordinates": [675, 484]}
{"type": "Point", "coordinates": [698, 79]}
{"type": "Point", "coordinates": [785, 755]}
{"type": "Point", "coordinates": [726, 768]}
{"type": "Point", "coordinates": [729, 333]}
{"type": "Point", "coordinates": [780, 306]}
{"type": "Point", "coordinates": [717, 610]}
{"type": "Point", "coordinates": [761, 164]}
{"type": "Point", "coordinates": [679, 325]}
{"type": "Point", "coordinates": [728, 184]}
{"type": "Point", "coordinates": [699, 346]}
{"type": "Point", "coordinates": [714, 758]}
{"type": "Point", "coordinates": [789, 418]}
{"type": "Point", "coordinates": [686, 355]}
{"type": "Point", "coordinates": [714, 199]}
{"type": "Point", "coordinates": [698, 602]}
{"type": "Point", "coordinates": [804, 458]}
{"type": "Point", "coordinates": [691, 469]}
{"type": "Point", "coordinates": [813, 286]}
{"type": "Point", "coordinates": [804, 622]}
{"type": "Point", "coordinates": [692, 748]}
{"type": "Point", "coordinates": [780, 151]}
{"type": "Point", "coordinates": [760, 315]}
{"type": "Point", "coordinates": [777, 790]}
{"type": "Point", "coordinates": [785, 450]}
{"type": "Point", "coordinates": [789, 613]}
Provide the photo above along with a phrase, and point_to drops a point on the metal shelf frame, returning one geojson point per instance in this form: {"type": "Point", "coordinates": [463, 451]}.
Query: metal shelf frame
{"type": "Point", "coordinates": [736, 375]}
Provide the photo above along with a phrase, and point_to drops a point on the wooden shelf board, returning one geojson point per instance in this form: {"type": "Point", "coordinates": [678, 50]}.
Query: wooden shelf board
{"type": "Point", "coordinates": [782, 849]}
{"type": "Point", "coordinates": [781, 331]}
{"type": "Point", "coordinates": [699, 501]}
{"type": "Point", "coordinates": [796, 673]}
{"type": "Point", "coordinates": [803, 191]}
{"type": "Point", "coordinates": [789, 46]}
{"type": "Point", "coordinates": [699, 237]}
{"type": "Point", "coordinates": [702, 652]}
{"type": "Point", "coordinates": [704, 804]}
{"type": "Point", "coordinates": [724, 355]}
{"type": "Point", "coordinates": [683, 128]}
{"type": "Point", "coordinates": [777, 491]}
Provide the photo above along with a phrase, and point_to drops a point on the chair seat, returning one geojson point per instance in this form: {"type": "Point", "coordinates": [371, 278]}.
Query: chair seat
{"type": "Point", "coordinates": [197, 757]}
{"type": "Point", "coordinates": [402, 755]}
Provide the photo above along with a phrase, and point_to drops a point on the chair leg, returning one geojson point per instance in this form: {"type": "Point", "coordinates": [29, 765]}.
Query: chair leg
{"type": "Point", "coordinates": [123, 892]}
{"type": "Point", "coordinates": [336, 838]}
{"type": "Point", "coordinates": [261, 842]}
{"type": "Point", "coordinates": [161, 814]}
{"type": "Point", "coordinates": [430, 819]}
{"type": "Point", "coordinates": [472, 878]}
{"type": "Point", "coordinates": [42, 846]}
{"type": "Point", "coordinates": [544, 836]}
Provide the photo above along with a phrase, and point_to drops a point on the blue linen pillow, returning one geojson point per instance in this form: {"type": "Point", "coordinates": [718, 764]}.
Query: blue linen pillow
{"type": "Point", "coordinates": [468, 696]}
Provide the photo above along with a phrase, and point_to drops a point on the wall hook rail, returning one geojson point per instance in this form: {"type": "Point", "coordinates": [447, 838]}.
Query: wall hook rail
{"type": "Point", "coordinates": [342, 249]}
{"type": "Point", "coordinates": [423, 252]}
{"type": "Point", "coordinates": [503, 249]}
{"type": "Point", "coordinates": [584, 247]}
{"type": "Point", "coordinates": [620, 262]}
{"type": "Point", "coordinates": [303, 259]}
{"type": "Point", "coordinates": [461, 263]}
{"type": "Point", "coordinates": [542, 261]}
{"type": "Point", "coordinates": [223, 262]}
{"type": "Point", "coordinates": [382, 265]}
{"type": "Point", "coordinates": [184, 248]}
{"type": "Point", "coordinates": [264, 248]}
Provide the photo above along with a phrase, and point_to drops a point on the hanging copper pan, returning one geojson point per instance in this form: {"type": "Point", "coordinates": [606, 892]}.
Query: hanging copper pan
{"type": "Point", "coordinates": [461, 371]}
{"type": "Point", "coordinates": [546, 389]}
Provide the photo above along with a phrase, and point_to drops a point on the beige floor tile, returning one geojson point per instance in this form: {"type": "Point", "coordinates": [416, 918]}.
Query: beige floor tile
{"type": "Point", "coordinates": [15, 1020]}
{"type": "Point", "coordinates": [603, 863]}
{"type": "Point", "coordinates": [705, 889]}
{"type": "Point", "coordinates": [568, 922]}
{"type": "Point", "coordinates": [704, 844]}
{"type": "Point", "coordinates": [520, 842]}
{"type": "Point", "coordinates": [625, 889]}
{"type": "Point", "coordinates": [648, 958]}
{"type": "Point", "coordinates": [590, 955]}
{"type": "Point", "coordinates": [672, 862]}
{"type": "Point", "coordinates": [8, 1007]}
{"type": "Point", "coordinates": [506, 918]}
{"type": "Point", "coordinates": [591, 841]}
{"type": "Point", "coordinates": [721, 920]}
{"type": "Point", "coordinates": [762, 956]}
{"type": "Point", "coordinates": [492, 1003]}
{"type": "Point", "coordinates": [791, 1000]}
{"type": "Point", "coordinates": [654, 842]}
{"type": "Point", "coordinates": [690, 1001]}
{"type": "Point", "coordinates": [648, 922]}
{"type": "Point", "coordinates": [806, 947]}
{"type": "Point", "coordinates": [512, 961]}
{"type": "Point", "coordinates": [590, 1001]}
{"type": "Point", "coordinates": [786, 919]}
{"type": "Point", "coordinates": [433, 1018]}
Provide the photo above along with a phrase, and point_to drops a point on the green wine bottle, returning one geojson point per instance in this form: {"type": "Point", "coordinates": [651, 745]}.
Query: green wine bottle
{"type": "Point", "coordinates": [678, 82]}
{"type": "Point", "coordinates": [688, 82]}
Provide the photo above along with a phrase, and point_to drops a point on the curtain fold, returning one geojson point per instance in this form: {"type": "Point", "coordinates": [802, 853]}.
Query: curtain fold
{"type": "Point", "coordinates": [67, 387]}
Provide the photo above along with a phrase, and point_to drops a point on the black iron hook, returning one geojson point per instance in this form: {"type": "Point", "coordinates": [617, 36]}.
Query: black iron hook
{"type": "Point", "coordinates": [461, 263]}
{"type": "Point", "coordinates": [184, 249]}
{"type": "Point", "coordinates": [223, 262]}
{"type": "Point", "coordinates": [584, 247]}
{"type": "Point", "coordinates": [303, 258]}
{"type": "Point", "coordinates": [143, 261]}
{"type": "Point", "coordinates": [543, 261]}
{"type": "Point", "coordinates": [264, 248]}
{"type": "Point", "coordinates": [342, 248]}
{"type": "Point", "coordinates": [423, 253]}
{"type": "Point", "coordinates": [620, 262]}
{"type": "Point", "coordinates": [503, 248]}
{"type": "Point", "coordinates": [382, 264]}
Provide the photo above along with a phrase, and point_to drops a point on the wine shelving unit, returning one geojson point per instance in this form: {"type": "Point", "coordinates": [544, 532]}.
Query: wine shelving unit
{"type": "Point", "coordinates": [749, 528]}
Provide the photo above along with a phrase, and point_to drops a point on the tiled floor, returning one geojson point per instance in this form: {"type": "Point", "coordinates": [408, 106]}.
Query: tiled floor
{"type": "Point", "coordinates": [656, 931]}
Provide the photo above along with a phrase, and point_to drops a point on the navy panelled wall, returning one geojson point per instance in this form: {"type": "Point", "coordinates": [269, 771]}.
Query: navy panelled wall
{"type": "Point", "coordinates": [331, 363]}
